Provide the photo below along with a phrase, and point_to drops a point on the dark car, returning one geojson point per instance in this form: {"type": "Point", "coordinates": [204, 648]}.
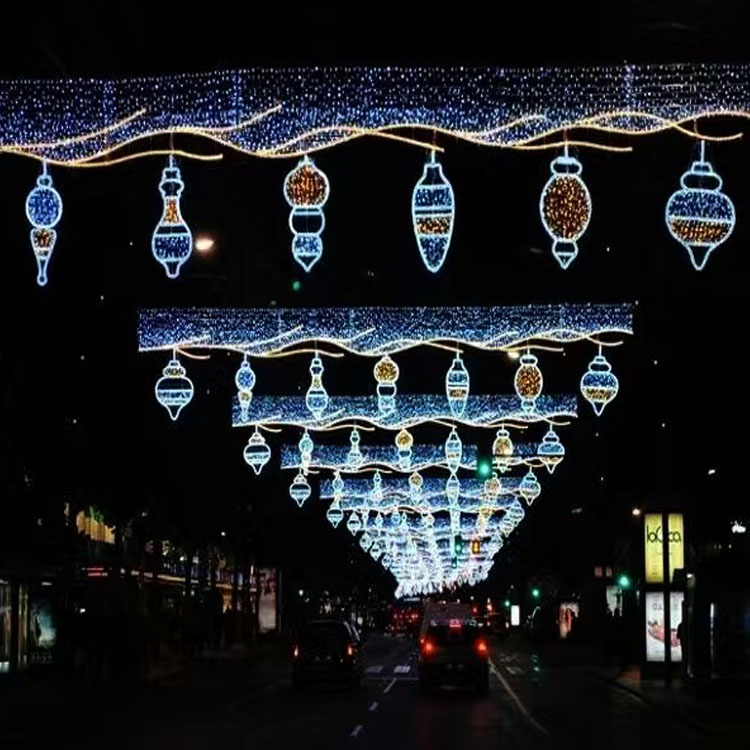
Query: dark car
{"type": "Point", "coordinates": [326, 650]}
{"type": "Point", "coordinates": [456, 653]}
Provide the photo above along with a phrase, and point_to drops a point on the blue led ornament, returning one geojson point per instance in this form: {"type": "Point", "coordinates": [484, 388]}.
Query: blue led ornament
{"type": "Point", "coordinates": [244, 379]}
{"type": "Point", "coordinates": [700, 217]}
{"type": "Point", "coordinates": [317, 396]}
{"type": "Point", "coordinates": [599, 385]}
{"type": "Point", "coordinates": [257, 453]}
{"type": "Point", "coordinates": [404, 443]}
{"type": "Point", "coordinates": [354, 523]}
{"type": "Point", "coordinates": [415, 485]}
{"type": "Point", "coordinates": [528, 381]}
{"type": "Point", "coordinates": [502, 450]}
{"type": "Point", "coordinates": [386, 374]}
{"type": "Point", "coordinates": [365, 541]}
{"type": "Point", "coordinates": [376, 550]}
{"type": "Point", "coordinates": [354, 458]}
{"type": "Point", "coordinates": [306, 190]}
{"type": "Point", "coordinates": [174, 390]}
{"type": "Point", "coordinates": [172, 241]}
{"type": "Point", "coordinates": [306, 447]}
{"type": "Point", "coordinates": [453, 490]}
{"type": "Point", "coordinates": [551, 451]}
{"type": "Point", "coordinates": [453, 451]}
{"type": "Point", "coordinates": [433, 209]}
{"type": "Point", "coordinates": [377, 488]}
{"type": "Point", "coordinates": [529, 488]}
{"type": "Point", "coordinates": [299, 489]}
{"type": "Point", "coordinates": [492, 486]}
{"type": "Point", "coordinates": [457, 386]}
{"type": "Point", "coordinates": [565, 207]}
{"type": "Point", "coordinates": [43, 210]}
{"type": "Point", "coordinates": [334, 514]}
{"type": "Point", "coordinates": [338, 485]}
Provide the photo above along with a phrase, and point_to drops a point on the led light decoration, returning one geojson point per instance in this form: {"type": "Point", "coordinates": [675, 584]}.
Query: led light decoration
{"type": "Point", "coordinates": [306, 190]}
{"type": "Point", "coordinates": [565, 207]}
{"type": "Point", "coordinates": [699, 216]}
{"type": "Point", "coordinates": [257, 453]}
{"type": "Point", "coordinates": [354, 523]}
{"type": "Point", "coordinates": [599, 385]}
{"type": "Point", "coordinates": [528, 381]}
{"type": "Point", "coordinates": [300, 490]}
{"type": "Point", "coordinates": [317, 396]}
{"type": "Point", "coordinates": [457, 386]}
{"type": "Point", "coordinates": [334, 514]}
{"type": "Point", "coordinates": [365, 541]}
{"type": "Point", "coordinates": [502, 450]}
{"type": "Point", "coordinates": [493, 486]}
{"type": "Point", "coordinates": [404, 443]}
{"type": "Point", "coordinates": [386, 374]}
{"type": "Point", "coordinates": [354, 457]}
{"type": "Point", "coordinates": [306, 447]}
{"type": "Point", "coordinates": [433, 208]}
{"type": "Point", "coordinates": [244, 379]}
{"type": "Point", "coordinates": [529, 489]}
{"type": "Point", "coordinates": [172, 241]}
{"type": "Point", "coordinates": [44, 211]}
{"type": "Point", "coordinates": [377, 488]}
{"type": "Point", "coordinates": [551, 450]}
{"type": "Point", "coordinates": [453, 451]}
{"type": "Point", "coordinates": [415, 485]}
{"type": "Point", "coordinates": [174, 390]}
{"type": "Point", "coordinates": [453, 490]}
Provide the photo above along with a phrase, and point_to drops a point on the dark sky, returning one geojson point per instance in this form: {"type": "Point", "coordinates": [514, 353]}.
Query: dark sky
{"type": "Point", "coordinates": [78, 407]}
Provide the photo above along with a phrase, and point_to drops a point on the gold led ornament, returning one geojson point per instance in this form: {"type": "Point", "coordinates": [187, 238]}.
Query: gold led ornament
{"type": "Point", "coordinates": [528, 381]}
{"type": "Point", "coordinates": [502, 450]}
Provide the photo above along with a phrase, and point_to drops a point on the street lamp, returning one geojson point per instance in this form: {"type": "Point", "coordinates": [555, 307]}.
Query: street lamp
{"type": "Point", "coordinates": [204, 243]}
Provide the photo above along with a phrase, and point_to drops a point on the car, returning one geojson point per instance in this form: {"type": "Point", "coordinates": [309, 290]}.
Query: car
{"type": "Point", "coordinates": [326, 651]}
{"type": "Point", "coordinates": [454, 652]}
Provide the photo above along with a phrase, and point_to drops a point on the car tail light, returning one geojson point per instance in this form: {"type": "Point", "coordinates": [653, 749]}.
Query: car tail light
{"type": "Point", "coordinates": [349, 650]}
{"type": "Point", "coordinates": [296, 651]}
{"type": "Point", "coordinates": [428, 647]}
{"type": "Point", "coordinates": [481, 647]}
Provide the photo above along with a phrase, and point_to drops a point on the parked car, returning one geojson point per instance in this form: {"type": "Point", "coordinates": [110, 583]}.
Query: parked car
{"type": "Point", "coordinates": [327, 650]}
{"type": "Point", "coordinates": [455, 652]}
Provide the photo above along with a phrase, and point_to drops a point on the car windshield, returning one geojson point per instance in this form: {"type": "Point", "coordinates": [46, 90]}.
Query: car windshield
{"type": "Point", "coordinates": [323, 634]}
{"type": "Point", "coordinates": [466, 633]}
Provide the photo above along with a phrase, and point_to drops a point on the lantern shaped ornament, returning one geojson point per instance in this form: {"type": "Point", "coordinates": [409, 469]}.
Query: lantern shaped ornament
{"type": "Point", "coordinates": [529, 488]}
{"type": "Point", "coordinates": [599, 385]}
{"type": "Point", "coordinates": [172, 241]}
{"type": "Point", "coordinates": [316, 398]}
{"type": "Point", "coordinates": [492, 486]}
{"type": "Point", "coordinates": [700, 217]}
{"type": "Point", "coordinates": [386, 374]}
{"type": "Point", "coordinates": [306, 190]}
{"type": "Point", "coordinates": [244, 379]}
{"type": "Point", "coordinates": [306, 447]}
{"type": "Point", "coordinates": [257, 453]}
{"type": "Point", "coordinates": [365, 541]}
{"type": "Point", "coordinates": [453, 451]}
{"type": "Point", "coordinates": [354, 523]}
{"type": "Point", "coordinates": [551, 451]}
{"type": "Point", "coordinates": [457, 386]}
{"type": "Point", "coordinates": [502, 450]}
{"type": "Point", "coordinates": [453, 490]}
{"type": "Point", "coordinates": [565, 207]}
{"type": "Point", "coordinates": [334, 514]}
{"type": "Point", "coordinates": [415, 485]}
{"type": "Point", "coordinates": [354, 457]}
{"type": "Point", "coordinates": [44, 211]}
{"type": "Point", "coordinates": [299, 489]}
{"type": "Point", "coordinates": [528, 381]}
{"type": "Point", "coordinates": [174, 390]}
{"type": "Point", "coordinates": [404, 443]}
{"type": "Point", "coordinates": [337, 485]}
{"type": "Point", "coordinates": [377, 488]}
{"type": "Point", "coordinates": [376, 550]}
{"type": "Point", "coordinates": [433, 209]}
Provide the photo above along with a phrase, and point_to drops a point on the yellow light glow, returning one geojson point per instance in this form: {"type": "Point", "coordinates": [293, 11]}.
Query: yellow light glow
{"type": "Point", "coordinates": [204, 243]}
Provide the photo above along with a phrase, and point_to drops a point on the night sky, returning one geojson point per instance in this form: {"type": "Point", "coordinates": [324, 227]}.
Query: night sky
{"type": "Point", "coordinates": [78, 412]}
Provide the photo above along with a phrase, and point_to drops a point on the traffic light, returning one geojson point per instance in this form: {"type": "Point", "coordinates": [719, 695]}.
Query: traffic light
{"type": "Point", "coordinates": [476, 546]}
{"type": "Point", "coordinates": [454, 562]}
{"type": "Point", "coordinates": [458, 544]}
{"type": "Point", "coordinates": [535, 592]}
{"type": "Point", "coordinates": [623, 581]}
{"type": "Point", "coordinates": [507, 604]}
{"type": "Point", "coordinates": [484, 468]}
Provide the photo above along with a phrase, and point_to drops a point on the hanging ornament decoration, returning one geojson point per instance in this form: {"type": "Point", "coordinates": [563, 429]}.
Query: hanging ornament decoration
{"type": "Point", "coordinates": [43, 210]}
{"type": "Point", "coordinates": [457, 386]}
{"type": "Point", "coordinates": [699, 216]}
{"type": "Point", "coordinates": [337, 485]}
{"type": "Point", "coordinates": [493, 486]}
{"type": "Point", "coordinates": [415, 485]}
{"type": "Point", "coordinates": [502, 450]}
{"type": "Point", "coordinates": [599, 385]}
{"type": "Point", "coordinates": [306, 447]}
{"type": "Point", "coordinates": [334, 514]}
{"type": "Point", "coordinates": [453, 451]}
{"type": "Point", "coordinates": [354, 523]}
{"type": "Point", "coordinates": [354, 457]}
{"type": "Point", "coordinates": [365, 541]}
{"type": "Point", "coordinates": [404, 443]}
{"type": "Point", "coordinates": [244, 379]}
{"type": "Point", "coordinates": [300, 490]}
{"type": "Point", "coordinates": [433, 209]}
{"type": "Point", "coordinates": [565, 207]}
{"type": "Point", "coordinates": [551, 451]}
{"type": "Point", "coordinates": [453, 490]}
{"type": "Point", "coordinates": [529, 488]}
{"type": "Point", "coordinates": [306, 190]}
{"type": "Point", "coordinates": [528, 381]}
{"type": "Point", "coordinates": [174, 390]}
{"type": "Point", "coordinates": [317, 396]}
{"type": "Point", "coordinates": [376, 550]}
{"type": "Point", "coordinates": [386, 374]}
{"type": "Point", "coordinates": [257, 453]}
{"type": "Point", "coordinates": [172, 241]}
{"type": "Point", "coordinates": [377, 488]}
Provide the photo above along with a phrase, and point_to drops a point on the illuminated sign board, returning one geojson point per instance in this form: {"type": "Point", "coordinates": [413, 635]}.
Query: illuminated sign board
{"type": "Point", "coordinates": [656, 633]}
{"type": "Point", "coordinates": [654, 546]}
{"type": "Point", "coordinates": [515, 615]}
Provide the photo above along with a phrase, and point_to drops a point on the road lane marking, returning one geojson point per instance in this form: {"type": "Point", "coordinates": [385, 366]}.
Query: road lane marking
{"type": "Point", "coordinates": [402, 669]}
{"type": "Point", "coordinates": [534, 723]}
{"type": "Point", "coordinates": [376, 669]}
{"type": "Point", "coordinates": [390, 685]}
{"type": "Point", "coordinates": [373, 706]}
{"type": "Point", "coordinates": [356, 730]}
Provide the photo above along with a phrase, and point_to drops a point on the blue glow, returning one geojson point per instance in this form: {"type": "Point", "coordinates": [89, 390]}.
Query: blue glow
{"type": "Point", "coordinates": [43, 210]}
{"type": "Point", "coordinates": [699, 216]}
{"type": "Point", "coordinates": [172, 241]}
{"type": "Point", "coordinates": [306, 190]}
{"type": "Point", "coordinates": [354, 523]}
{"type": "Point", "coordinates": [404, 442]}
{"type": "Point", "coordinates": [453, 451]}
{"type": "Point", "coordinates": [433, 209]}
{"type": "Point", "coordinates": [244, 379]}
{"type": "Point", "coordinates": [457, 384]}
{"type": "Point", "coordinates": [334, 514]}
{"type": "Point", "coordinates": [306, 447]}
{"type": "Point", "coordinates": [551, 450]}
{"type": "Point", "coordinates": [565, 207]}
{"type": "Point", "coordinates": [316, 399]}
{"type": "Point", "coordinates": [300, 489]}
{"type": "Point", "coordinates": [599, 385]}
{"type": "Point", "coordinates": [257, 453]}
{"type": "Point", "coordinates": [529, 489]}
{"type": "Point", "coordinates": [174, 390]}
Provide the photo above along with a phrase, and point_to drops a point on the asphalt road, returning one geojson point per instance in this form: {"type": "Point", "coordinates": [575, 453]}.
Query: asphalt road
{"type": "Point", "coordinates": [536, 700]}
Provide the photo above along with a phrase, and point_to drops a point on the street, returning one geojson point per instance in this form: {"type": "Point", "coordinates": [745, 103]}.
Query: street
{"type": "Point", "coordinates": [538, 698]}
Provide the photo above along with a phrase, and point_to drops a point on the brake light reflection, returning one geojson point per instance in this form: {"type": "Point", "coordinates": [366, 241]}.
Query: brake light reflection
{"type": "Point", "coordinates": [428, 647]}
{"type": "Point", "coordinates": [350, 650]}
{"type": "Point", "coordinates": [481, 647]}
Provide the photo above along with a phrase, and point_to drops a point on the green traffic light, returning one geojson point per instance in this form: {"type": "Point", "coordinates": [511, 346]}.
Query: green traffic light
{"type": "Point", "coordinates": [535, 593]}
{"type": "Point", "coordinates": [484, 469]}
{"type": "Point", "coordinates": [507, 604]}
{"type": "Point", "coordinates": [296, 285]}
{"type": "Point", "coordinates": [623, 582]}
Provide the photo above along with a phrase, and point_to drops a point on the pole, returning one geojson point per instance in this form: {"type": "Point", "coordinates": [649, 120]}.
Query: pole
{"type": "Point", "coordinates": [667, 600]}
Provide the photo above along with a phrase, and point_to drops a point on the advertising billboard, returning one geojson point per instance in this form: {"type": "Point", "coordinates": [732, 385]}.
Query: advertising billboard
{"type": "Point", "coordinates": [267, 603]}
{"type": "Point", "coordinates": [656, 633]}
{"type": "Point", "coordinates": [654, 548]}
